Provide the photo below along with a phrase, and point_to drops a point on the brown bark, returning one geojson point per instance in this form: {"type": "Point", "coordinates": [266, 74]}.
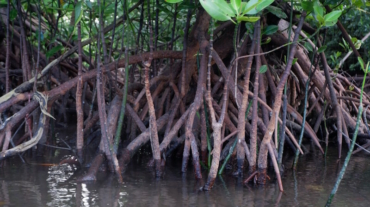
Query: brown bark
{"type": "Point", "coordinates": [108, 150]}
{"type": "Point", "coordinates": [196, 40]}
{"type": "Point", "coordinates": [253, 136]}
{"type": "Point", "coordinates": [262, 158]}
{"type": "Point", "coordinates": [152, 118]}
{"type": "Point", "coordinates": [26, 67]}
{"type": "Point", "coordinates": [334, 100]}
{"type": "Point", "coordinates": [216, 125]}
{"type": "Point", "coordinates": [93, 170]}
{"type": "Point", "coordinates": [203, 135]}
{"type": "Point", "coordinates": [243, 109]}
{"type": "Point", "coordinates": [139, 141]}
{"type": "Point", "coordinates": [79, 111]}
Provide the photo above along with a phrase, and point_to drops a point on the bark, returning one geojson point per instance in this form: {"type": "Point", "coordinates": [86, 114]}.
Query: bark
{"type": "Point", "coordinates": [243, 109]}
{"type": "Point", "coordinates": [253, 140]}
{"type": "Point", "coordinates": [334, 101]}
{"type": "Point", "coordinates": [138, 142]}
{"type": "Point", "coordinates": [154, 140]}
{"type": "Point", "coordinates": [197, 37]}
{"type": "Point", "coordinates": [262, 158]}
{"type": "Point", "coordinates": [80, 113]}
{"type": "Point", "coordinates": [93, 170]}
{"type": "Point", "coordinates": [108, 150]}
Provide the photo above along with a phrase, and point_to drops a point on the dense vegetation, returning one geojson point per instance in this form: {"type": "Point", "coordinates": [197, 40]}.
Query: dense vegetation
{"type": "Point", "coordinates": [218, 82]}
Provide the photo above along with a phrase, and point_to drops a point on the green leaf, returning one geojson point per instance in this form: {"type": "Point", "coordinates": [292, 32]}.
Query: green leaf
{"type": "Point", "coordinates": [225, 7]}
{"type": "Point", "coordinates": [351, 87]}
{"type": "Point", "coordinates": [214, 11]}
{"type": "Point", "coordinates": [320, 19]}
{"type": "Point", "coordinates": [67, 6]}
{"type": "Point", "coordinates": [78, 12]}
{"type": "Point", "coordinates": [338, 54]}
{"type": "Point", "coordinates": [235, 4]}
{"type": "Point", "coordinates": [332, 16]}
{"type": "Point", "coordinates": [88, 4]}
{"type": "Point", "coordinates": [186, 5]}
{"type": "Point", "coordinates": [220, 5]}
{"type": "Point", "coordinates": [277, 12]}
{"type": "Point", "coordinates": [53, 51]}
{"type": "Point", "coordinates": [321, 49]}
{"type": "Point", "coordinates": [358, 3]}
{"type": "Point", "coordinates": [358, 45]}
{"type": "Point", "coordinates": [329, 23]}
{"type": "Point", "coordinates": [250, 7]}
{"type": "Point", "coordinates": [271, 29]}
{"type": "Point", "coordinates": [247, 18]}
{"type": "Point", "coordinates": [263, 5]}
{"type": "Point", "coordinates": [173, 1]}
{"type": "Point", "coordinates": [361, 63]}
{"type": "Point", "coordinates": [268, 40]}
{"type": "Point", "coordinates": [13, 14]}
{"type": "Point", "coordinates": [165, 10]}
{"type": "Point", "coordinates": [294, 61]}
{"type": "Point", "coordinates": [308, 46]}
{"type": "Point", "coordinates": [319, 11]}
{"type": "Point", "coordinates": [263, 69]}
{"type": "Point", "coordinates": [332, 58]}
{"type": "Point", "coordinates": [307, 6]}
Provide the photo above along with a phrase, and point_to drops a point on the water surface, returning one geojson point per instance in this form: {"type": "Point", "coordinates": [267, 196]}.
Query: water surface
{"type": "Point", "coordinates": [35, 185]}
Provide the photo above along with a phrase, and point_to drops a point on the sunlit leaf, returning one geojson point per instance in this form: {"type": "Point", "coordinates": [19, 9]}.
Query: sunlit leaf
{"type": "Point", "coordinates": [250, 7]}
{"type": "Point", "coordinates": [330, 23]}
{"type": "Point", "coordinates": [173, 1]}
{"type": "Point", "coordinates": [263, 5]}
{"type": "Point", "coordinates": [332, 16]}
{"type": "Point", "coordinates": [320, 19]}
{"type": "Point", "coordinates": [213, 10]}
{"type": "Point", "coordinates": [235, 4]}
{"type": "Point", "coordinates": [247, 18]}
{"type": "Point", "coordinates": [224, 7]}
{"type": "Point", "coordinates": [319, 10]}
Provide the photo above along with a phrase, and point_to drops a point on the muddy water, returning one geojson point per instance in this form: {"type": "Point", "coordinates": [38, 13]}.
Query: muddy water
{"type": "Point", "coordinates": [38, 185]}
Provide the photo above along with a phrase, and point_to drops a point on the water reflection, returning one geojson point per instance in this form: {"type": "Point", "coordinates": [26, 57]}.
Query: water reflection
{"type": "Point", "coordinates": [32, 185]}
{"type": "Point", "coordinates": [61, 194]}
